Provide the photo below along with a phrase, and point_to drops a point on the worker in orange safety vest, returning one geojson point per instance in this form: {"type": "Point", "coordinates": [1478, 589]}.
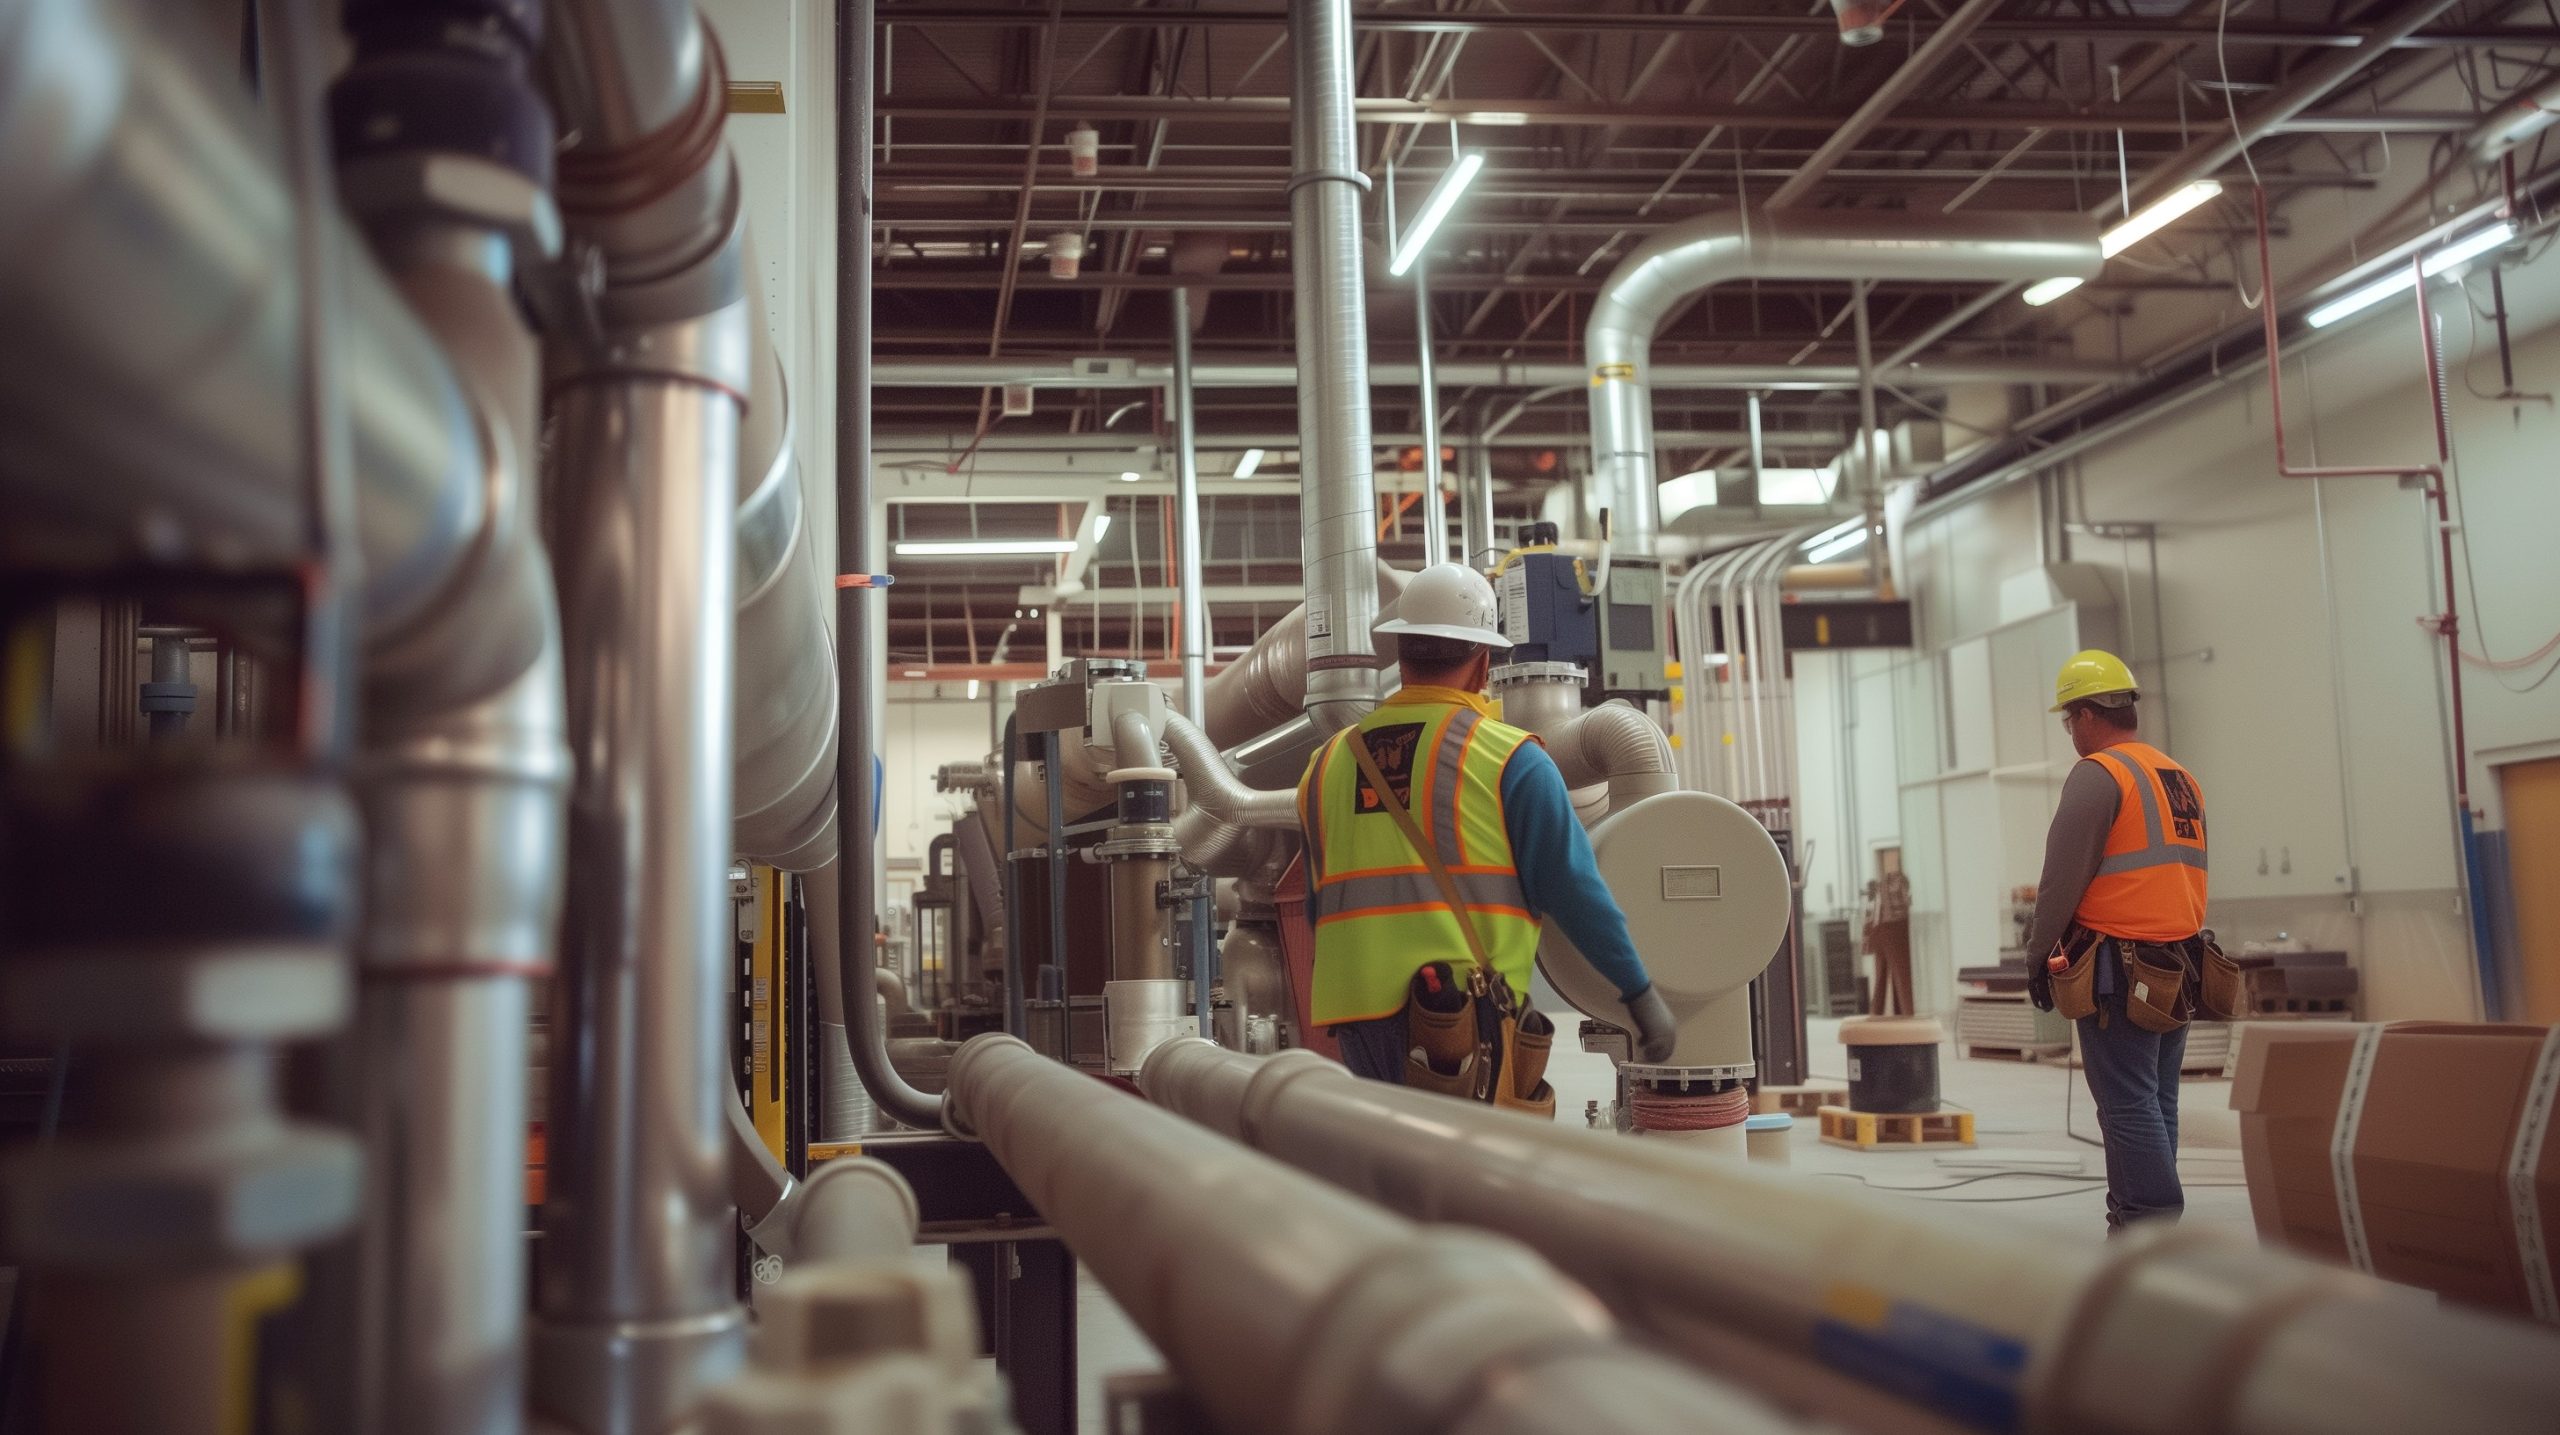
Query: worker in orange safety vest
{"type": "Point", "coordinates": [2119, 928]}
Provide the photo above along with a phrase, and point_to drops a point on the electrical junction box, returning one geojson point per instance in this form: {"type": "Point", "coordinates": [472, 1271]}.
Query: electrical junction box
{"type": "Point", "coordinates": [1631, 636]}
{"type": "Point", "coordinates": [1545, 613]}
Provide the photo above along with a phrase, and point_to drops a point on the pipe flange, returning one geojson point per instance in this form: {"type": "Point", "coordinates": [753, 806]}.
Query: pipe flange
{"type": "Point", "coordinates": [1146, 842]}
{"type": "Point", "coordinates": [1511, 673]}
{"type": "Point", "coordinates": [1688, 1075]}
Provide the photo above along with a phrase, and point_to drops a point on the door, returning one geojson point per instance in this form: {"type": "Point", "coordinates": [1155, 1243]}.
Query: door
{"type": "Point", "coordinates": [2531, 791]}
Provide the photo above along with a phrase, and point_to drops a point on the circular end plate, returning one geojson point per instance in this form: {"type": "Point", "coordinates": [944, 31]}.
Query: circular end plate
{"type": "Point", "coordinates": [1706, 896]}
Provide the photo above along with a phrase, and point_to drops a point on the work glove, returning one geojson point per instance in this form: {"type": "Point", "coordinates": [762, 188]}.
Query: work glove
{"type": "Point", "coordinates": [2039, 986]}
{"type": "Point", "coordinates": [1656, 1033]}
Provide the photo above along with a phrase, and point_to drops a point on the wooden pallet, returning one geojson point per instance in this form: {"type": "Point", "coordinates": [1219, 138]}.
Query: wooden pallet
{"type": "Point", "coordinates": [1867, 1130]}
{"type": "Point", "coordinates": [1796, 1100]}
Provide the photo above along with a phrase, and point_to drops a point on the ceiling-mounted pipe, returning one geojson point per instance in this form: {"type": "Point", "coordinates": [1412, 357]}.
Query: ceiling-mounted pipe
{"type": "Point", "coordinates": [2528, 113]}
{"type": "Point", "coordinates": [1336, 462]}
{"type": "Point", "coordinates": [1712, 249]}
{"type": "Point", "coordinates": [1126, 373]}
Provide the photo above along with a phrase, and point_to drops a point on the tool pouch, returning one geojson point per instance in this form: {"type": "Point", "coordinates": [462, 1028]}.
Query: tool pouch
{"type": "Point", "coordinates": [1527, 1040]}
{"type": "Point", "coordinates": [2075, 987]}
{"type": "Point", "coordinates": [2219, 989]}
{"type": "Point", "coordinates": [2155, 983]}
{"type": "Point", "coordinates": [1445, 1050]}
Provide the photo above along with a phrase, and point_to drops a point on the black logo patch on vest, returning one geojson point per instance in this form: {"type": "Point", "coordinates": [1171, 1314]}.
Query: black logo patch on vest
{"type": "Point", "coordinates": [1394, 748]}
{"type": "Point", "coordinates": [2186, 805]}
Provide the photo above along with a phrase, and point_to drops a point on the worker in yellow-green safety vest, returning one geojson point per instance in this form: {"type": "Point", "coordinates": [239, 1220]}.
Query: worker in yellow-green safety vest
{"type": "Point", "coordinates": [1495, 810]}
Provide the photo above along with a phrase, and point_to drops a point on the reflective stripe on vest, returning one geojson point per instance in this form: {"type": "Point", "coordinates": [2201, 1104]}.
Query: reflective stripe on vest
{"type": "Point", "coordinates": [2151, 884]}
{"type": "Point", "coordinates": [1378, 913]}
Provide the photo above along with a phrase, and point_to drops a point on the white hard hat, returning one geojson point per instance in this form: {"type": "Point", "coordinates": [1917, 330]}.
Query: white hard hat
{"type": "Point", "coordinates": [1448, 600]}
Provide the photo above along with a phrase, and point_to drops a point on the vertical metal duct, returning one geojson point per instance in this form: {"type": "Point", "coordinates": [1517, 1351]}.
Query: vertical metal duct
{"type": "Point", "coordinates": [1186, 519]}
{"type": "Point", "coordinates": [1712, 249]}
{"type": "Point", "coordinates": [1339, 501]}
{"type": "Point", "coordinates": [638, 1308]}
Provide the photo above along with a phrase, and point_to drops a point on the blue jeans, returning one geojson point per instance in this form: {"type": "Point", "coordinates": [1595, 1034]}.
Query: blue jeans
{"type": "Point", "coordinates": [2133, 1075]}
{"type": "Point", "coordinates": [1375, 1048]}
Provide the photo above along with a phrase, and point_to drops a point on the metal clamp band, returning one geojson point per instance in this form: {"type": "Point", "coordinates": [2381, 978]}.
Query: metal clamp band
{"type": "Point", "coordinates": [1317, 176]}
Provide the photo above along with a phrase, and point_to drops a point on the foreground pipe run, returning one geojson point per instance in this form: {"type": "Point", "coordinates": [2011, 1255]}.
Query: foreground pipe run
{"type": "Point", "coordinates": [1683, 259]}
{"type": "Point", "coordinates": [1288, 1308]}
{"type": "Point", "coordinates": [1761, 1270]}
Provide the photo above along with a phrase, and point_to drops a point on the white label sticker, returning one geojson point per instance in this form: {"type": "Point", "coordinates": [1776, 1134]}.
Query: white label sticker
{"type": "Point", "coordinates": [2142, 991]}
{"type": "Point", "coordinates": [1854, 1073]}
{"type": "Point", "coordinates": [1692, 884]}
{"type": "Point", "coordinates": [1319, 616]}
{"type": "Point", "coordinates": [1515, 604]}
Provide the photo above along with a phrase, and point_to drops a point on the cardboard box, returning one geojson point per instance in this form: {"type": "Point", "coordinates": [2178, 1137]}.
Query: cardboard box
{"type": "Point", "coordinates": [2444, 1107]}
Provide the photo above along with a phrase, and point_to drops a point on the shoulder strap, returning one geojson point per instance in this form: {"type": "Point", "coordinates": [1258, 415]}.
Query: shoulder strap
{"type": "Point", "coordinates": [1358, 743]}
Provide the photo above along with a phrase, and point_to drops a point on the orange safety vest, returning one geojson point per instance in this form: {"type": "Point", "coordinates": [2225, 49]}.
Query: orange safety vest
{"type": "Point", "coordinates": [2150, 885]}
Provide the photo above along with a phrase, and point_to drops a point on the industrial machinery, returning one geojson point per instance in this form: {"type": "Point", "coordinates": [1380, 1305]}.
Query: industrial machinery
{"type": "Point", "coordinates": [428, 761]}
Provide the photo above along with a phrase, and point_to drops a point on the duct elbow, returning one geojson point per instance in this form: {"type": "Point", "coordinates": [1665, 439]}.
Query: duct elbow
{"type": "Point", "coordinates": [1629, 751]}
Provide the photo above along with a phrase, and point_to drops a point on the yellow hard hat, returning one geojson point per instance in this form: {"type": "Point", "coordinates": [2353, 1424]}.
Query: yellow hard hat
{"type": "Point", "coordinates": [2093, 674]}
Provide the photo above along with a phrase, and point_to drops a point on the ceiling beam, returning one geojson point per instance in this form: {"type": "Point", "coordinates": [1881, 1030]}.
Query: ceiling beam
{"type": "Point", "coordinates": [2191, 30]}
{"type": "Point", "coordinates": [1376, 110]}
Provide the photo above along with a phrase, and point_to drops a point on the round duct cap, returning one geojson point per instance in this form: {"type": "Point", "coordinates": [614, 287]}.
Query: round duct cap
{"type": "Point", "coordinates": [1707, 899]}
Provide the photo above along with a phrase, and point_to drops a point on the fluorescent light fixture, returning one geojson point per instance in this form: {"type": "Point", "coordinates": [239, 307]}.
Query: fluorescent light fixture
{"type": "Point", "coordinates": [1129, 476]}
{"type": "Point", "coordinates": [2046, 291]}
{"type": "Point", "coordinates": [2435, 264]}
{"type": "Point", "coordinates": [1444, 197]}
{"type": "Point", "coordinates": [1835, 532]}
{"type": "Point", "coordinates": [1498, 117]}
{"type": "Point", "coordinates": [973, 690]}
{"type": "Point", "coordinates": [1848, 542]}
{"type": "Point", "coordinates": [983, 547]}
{"type": "Point", "coordinates": [1246, 465]}
{"type": "Point", "coordinates": [1101, 526]}
{"type": "Point", "coordinates": [2157, 216]}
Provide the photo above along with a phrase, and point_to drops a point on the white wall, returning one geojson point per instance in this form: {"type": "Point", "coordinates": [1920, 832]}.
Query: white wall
{"type": "Point", "coordinates": [2249, 674]}
{"type": "Point", "coordinates": [919, 736]}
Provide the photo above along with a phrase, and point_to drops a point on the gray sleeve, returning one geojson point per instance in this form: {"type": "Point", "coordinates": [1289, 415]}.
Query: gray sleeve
{"type": "Point", "coordinates": [2072, 851]}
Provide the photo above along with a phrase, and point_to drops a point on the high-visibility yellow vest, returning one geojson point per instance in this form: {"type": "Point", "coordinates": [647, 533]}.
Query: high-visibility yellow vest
{"type": "Point", "coordinates": [1379, 916]}
{"type": "Point", "coordinates": [2150, 885]}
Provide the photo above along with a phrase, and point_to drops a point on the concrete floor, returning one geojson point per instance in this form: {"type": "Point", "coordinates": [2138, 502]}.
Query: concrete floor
{"type": "Point", "coordinates": [2018, 1117]}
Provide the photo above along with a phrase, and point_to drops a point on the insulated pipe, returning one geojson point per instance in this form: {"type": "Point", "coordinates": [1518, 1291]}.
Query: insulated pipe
{"type": "Point", "coordinates": [857, 664]}
{"type": "Point", "coordinates": [1266, 687]}
{"type": "Point", "coordinates": [1686, 258]}
{"type": "Point", "coordinates": [1775, 1276]}
{"type": "Point", "coordinates": [2527, 114]}
{"type": "Point", "coordinates": [147, 281]}
{"type": "Point", "coordinates": [1288, 1308]}
{"type": "Point", "coordinates": [1189, 556]}
{"type": "Point", "coordinates": [1338, 509]}
{"type": "Point", "coordinates": [785, 702]}
{"type": "Point", "coordinates": [1211, 787]}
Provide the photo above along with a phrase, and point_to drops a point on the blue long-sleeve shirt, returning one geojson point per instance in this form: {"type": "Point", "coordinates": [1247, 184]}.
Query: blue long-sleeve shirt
{"type": "Point", "coordinates": [1558, 873]}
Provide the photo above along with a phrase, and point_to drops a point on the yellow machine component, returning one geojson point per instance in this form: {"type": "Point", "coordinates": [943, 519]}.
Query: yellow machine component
{"type": "Point", "coordinates": [768, 1027]}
